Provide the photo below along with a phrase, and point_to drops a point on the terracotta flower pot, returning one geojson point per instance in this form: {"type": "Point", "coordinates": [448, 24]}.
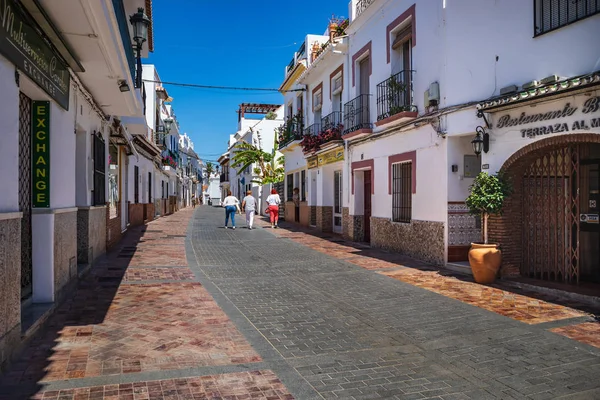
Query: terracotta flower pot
{"type": "Point", "coordinates": [485, 260]}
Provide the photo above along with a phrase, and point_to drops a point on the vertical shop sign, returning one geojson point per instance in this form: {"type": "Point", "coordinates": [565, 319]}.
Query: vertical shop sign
{"type": "Point", "coordinates": [40, 151]}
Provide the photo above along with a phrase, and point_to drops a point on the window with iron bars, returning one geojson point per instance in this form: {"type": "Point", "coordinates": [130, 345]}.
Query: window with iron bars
{"type": "Point", "coordinates": [303, 185]}
{"type": "Point", "coordinates": [554, 14]}
{"type": "Point", "coordinates": [136, 184]}
{"type": "Point", "coordinates": [402, 192]}
{"type": "Point", "coordinates": [290, 187]}
{"type": "Point", "coordinates": [99, 170]}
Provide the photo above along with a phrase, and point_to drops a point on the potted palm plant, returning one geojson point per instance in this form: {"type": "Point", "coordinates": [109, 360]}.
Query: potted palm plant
{"type": "Point", "coordinates": [487, 195]}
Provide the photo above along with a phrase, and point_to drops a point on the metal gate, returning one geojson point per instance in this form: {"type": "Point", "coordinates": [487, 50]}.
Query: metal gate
{"type": "Point", "coordinates": [551, 216]}
{"type": "Point", "coordinates": [280, 187]}
{"type": "Point", "coordinates": [25, 193]}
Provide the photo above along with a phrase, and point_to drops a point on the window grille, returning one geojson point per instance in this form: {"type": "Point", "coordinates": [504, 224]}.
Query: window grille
{"type": "Point", "coordinates": [303, 183]}
{"type": "Point", "coordinates": [136, 184]}
{"type": "Point", "coordinates": [99, 170]}
{"type": "Point", "coordinates": [553, 14]}
{"type": "Point", "coordinates": [290, 187]}
{"type": "Point", "coordinates": [402, 192]}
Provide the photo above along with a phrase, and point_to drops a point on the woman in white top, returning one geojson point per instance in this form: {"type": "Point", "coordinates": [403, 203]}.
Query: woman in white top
{"type": "Point", "coordinates": [273, 207]}
{"type": "Point", "coordinates": [231, 204]}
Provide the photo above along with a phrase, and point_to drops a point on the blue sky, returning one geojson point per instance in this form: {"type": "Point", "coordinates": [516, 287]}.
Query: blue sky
{"type": "Point", "coordinates": [229, 43]}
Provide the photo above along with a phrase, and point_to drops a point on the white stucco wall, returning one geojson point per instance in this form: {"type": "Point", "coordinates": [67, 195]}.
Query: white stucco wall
{"type": "Point", "coordinates": [504, 29]}
{"type": "Point", "coordinates": [429, 203]}
{"type": "Point", "coordinates": [9, 151]}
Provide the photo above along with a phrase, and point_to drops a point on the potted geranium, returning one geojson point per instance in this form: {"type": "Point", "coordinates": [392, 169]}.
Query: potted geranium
{"type": "Point", "coordinates": [487, 195]}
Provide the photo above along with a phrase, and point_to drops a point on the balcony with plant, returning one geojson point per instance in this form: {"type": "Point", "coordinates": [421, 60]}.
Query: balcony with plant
{"type": "Point", "coordinates": [169, 161]}
{"type": "Point", "coordinates": [312, 143]}
{"type": "Point", "coordinates": [395, 98]}
{"type": "Point", "coordinates": [290, 131]}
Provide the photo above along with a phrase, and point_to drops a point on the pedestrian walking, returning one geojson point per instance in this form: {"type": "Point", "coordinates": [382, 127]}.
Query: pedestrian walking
{"type": "Point", "coordinates": [273, 202]}
{"type": "Point", "coordinates": [231, 204]}
{"type": "Point", "coordinates": [249, 207]}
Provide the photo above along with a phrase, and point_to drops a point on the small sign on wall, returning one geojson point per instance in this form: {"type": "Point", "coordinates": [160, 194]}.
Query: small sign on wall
{"type": "Point", "coordinates": [472, 166]}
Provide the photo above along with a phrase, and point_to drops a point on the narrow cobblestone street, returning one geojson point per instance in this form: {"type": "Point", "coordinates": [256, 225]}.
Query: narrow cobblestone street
{"type": "Point", "coordinates": [185, 309]}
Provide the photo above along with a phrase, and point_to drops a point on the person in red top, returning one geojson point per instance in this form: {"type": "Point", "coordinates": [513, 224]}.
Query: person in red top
{"type": "Point", "coordinates": [273, 202]}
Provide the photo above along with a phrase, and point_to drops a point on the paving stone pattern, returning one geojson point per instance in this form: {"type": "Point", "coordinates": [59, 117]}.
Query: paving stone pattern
{"type": "Point", "coordinates": [140, 326]}
{"type": "Point", "coordinates": [283, 314]}
{"type": "Point", "coordinates": [354, 333]}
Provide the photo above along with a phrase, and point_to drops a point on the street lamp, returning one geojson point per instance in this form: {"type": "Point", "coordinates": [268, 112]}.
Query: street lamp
{"type": "Point", "coordinates": [481, 142]}
{"type": "Point", "coordinates": [168, 124]}
{"type": "Point", "coordinates": [140, 23]}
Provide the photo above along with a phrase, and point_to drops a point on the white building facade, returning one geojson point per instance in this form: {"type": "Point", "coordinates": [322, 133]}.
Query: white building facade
{"type": "Point", "coordinates": [67, 113]}
{"type": "Point", "coordinates": [417, 82]}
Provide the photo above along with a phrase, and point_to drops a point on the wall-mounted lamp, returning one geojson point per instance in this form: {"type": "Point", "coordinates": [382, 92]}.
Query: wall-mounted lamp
{"type": "Point", "coordinates": [140, 23]}
{"type": "Point", "coordinates": [481, 142]}
{"type": "Point", "coordinates": [168, 124]}
{"type": "Point", "coordinates": [123, 86]}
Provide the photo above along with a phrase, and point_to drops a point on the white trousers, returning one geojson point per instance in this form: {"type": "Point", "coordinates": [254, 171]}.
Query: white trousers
{"type": "Point", "coordinates": [250, 218]}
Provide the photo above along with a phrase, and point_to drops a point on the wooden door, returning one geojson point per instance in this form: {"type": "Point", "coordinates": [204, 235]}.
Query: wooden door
{"type": "Point", "coordinates": [367, 202]}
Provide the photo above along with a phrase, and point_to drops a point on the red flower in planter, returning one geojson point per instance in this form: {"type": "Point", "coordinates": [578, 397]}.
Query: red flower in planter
{"type": "Point", "coordinates": [310, 143]}
{"type": "Point", "coordinates": [334, 133]}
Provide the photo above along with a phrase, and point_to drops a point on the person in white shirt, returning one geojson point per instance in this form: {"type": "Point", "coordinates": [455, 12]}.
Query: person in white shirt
{"type": "Point", "coordinates": [273, 207]}
{"type": "Point", "coordinates": [249, 206]}
{"type": "Point", "coordinates": [231, 204]}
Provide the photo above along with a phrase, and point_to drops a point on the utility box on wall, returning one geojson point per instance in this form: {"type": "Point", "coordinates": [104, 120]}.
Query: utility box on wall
{"type": "Point", "coordinates": [472, 166]}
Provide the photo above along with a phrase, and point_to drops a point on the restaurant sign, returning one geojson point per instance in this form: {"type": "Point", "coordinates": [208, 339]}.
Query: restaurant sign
{"type": "Point", "coordinates": [40, 152]}
{"type": "Point", "coordinates": [21, 43]}
{"type": "Point", "coordinates": [584, 117]}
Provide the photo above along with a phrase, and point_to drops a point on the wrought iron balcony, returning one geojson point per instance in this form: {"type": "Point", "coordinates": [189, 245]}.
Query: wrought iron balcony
{"type": "Point", "coordinates": [362, 5]}
{"type": "Point", "coordinates": [314, 130]}
{"type": "Point", "coordinates": [125, 35]}
{"type": "Point", "coordinates": [356, 114]}
{"type": "Point", "coordinates": [293, 131]}
{"type": "Point", "coordinates": [395, 95]}
{"type": "Point", "coordinates": [160, 140]}
{"type": "Point", "coordinates": [331, 120]}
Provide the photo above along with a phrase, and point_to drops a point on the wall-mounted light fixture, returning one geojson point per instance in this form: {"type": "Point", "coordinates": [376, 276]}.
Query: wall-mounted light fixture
{"type": "Point", "coordinates": [481, 142]}
{"type": "Point", "coordinates": [140, 23]}
{"type": "Point", "coordinates": [123, 86]}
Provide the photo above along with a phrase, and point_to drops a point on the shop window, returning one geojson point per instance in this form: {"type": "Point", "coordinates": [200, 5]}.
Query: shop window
{"type": "Point", "coordinates": [553, 14]}
{"type": "Point", "coordinates": [402, 192]}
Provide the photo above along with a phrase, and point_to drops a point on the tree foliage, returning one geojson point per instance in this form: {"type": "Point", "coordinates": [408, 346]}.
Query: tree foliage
{"type": "Point", "coordinates": [487, 194]}
{"type": "Point", "coordinates": [268, 166]}
{"type": "Point", "coordinates": [210, 169]}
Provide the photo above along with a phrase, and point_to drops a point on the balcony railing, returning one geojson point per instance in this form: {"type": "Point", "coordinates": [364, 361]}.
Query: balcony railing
{"type": "Point", "coordinates": [299, 55]}
{"type": "Point", "coordinates": [362, 5]}
{"type": "Point", "coordinates": [331, 120]}
{"type": "Point", "coordinates": [125, 35]}
{"type": "Point", "coordinates": [356, 114]}
{"type": "Point", "coordinates": [293, 131]}
{"type": "Point", "coordinates": [224, 178]}
{"type": "Point", "coordinates": [314, 130]}
{"type": "Point", "coordinates": [161, 140]}
{"type": "Point", "coordinates": [395, 95]}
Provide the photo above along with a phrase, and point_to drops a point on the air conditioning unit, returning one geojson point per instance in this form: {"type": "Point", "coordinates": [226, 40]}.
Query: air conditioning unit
{"type": "Point", "coordinates": [509, 89]}
{"type": "Point", "coordinates": [530, 85]}
{"type": "Point", "coordinates": [434, 94]}
{"type": "Point", "coordinates": [549, 79]}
